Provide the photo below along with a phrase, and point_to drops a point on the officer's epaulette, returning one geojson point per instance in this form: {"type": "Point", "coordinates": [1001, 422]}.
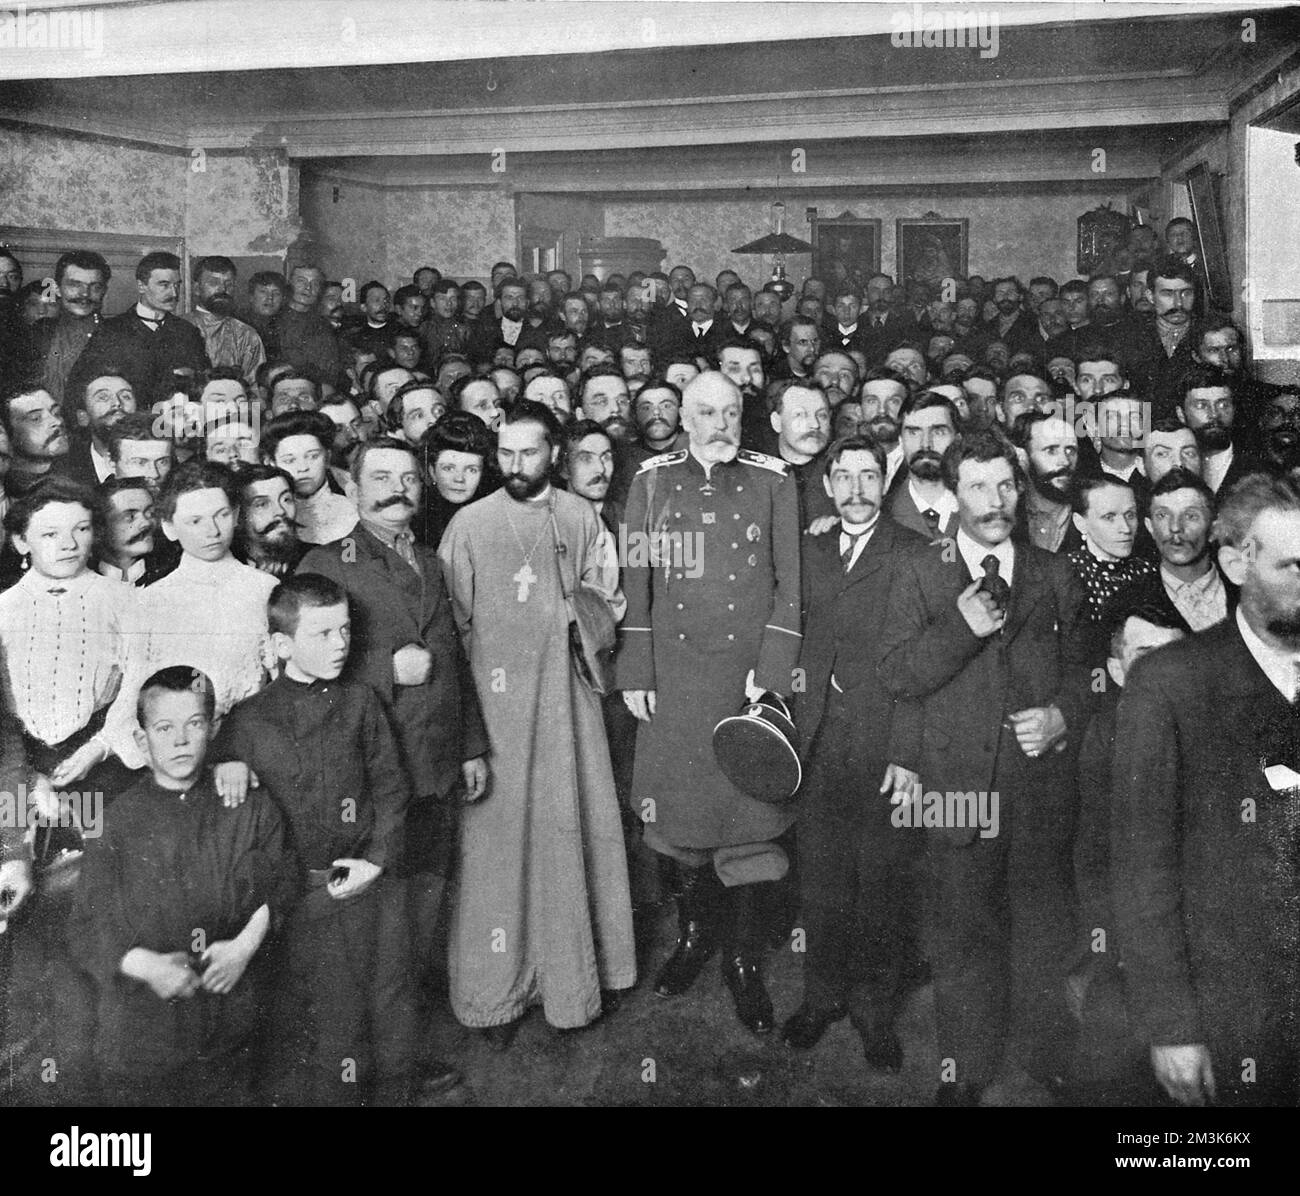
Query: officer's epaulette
{"type": "Point", "coordinates": [663, 459]}
{"type": "Point", "coordinates": [763, 461]}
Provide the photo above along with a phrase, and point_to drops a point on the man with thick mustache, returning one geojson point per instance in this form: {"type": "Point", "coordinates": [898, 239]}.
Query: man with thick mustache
{"type": "Point", "coordinates": [700, 334]}
{"type": "Point", "coordinates": [149, 342]}
{"type": "Point", "coordinates": [928, 424]}
{"type": "Point", "coordinates": [1161, 348]}
{"type": "Point", "coordinates": [229, 341]}
{"type": "Point", "coordinates": [405, 646]}
{"type": "Point", "coordinates": [127, 544]}
{"type": "Point", "coordinates": [657, 412]}
{"type": "Point", "coordinates": [693, 643]}
{"type": "Point", "coordinates": [986, 635]}
{"type": "Point", "coordinates": [856, 872]}
{"type": "Point", "coordinates": [81, 279]}
{"type": "Point", "coordinates": [801, 423]}
{"type": "Point", "coordinates": [1189, 586]}
{"type": "Point", "coordinates": [1051, 448]}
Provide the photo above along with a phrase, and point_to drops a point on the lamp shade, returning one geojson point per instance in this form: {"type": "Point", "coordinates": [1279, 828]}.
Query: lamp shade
{"type": "Point", "coordinates": [775, 243]}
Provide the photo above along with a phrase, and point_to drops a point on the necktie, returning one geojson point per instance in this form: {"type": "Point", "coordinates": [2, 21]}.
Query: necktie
{"type": "Point", "coordinates": [404, 545]}
{"type": "Point", "coordinates": [846, 557]}
{"type": "Point", "coordinates": [931, 517]}
{"type": "Point", "coordinates": [994, 583]}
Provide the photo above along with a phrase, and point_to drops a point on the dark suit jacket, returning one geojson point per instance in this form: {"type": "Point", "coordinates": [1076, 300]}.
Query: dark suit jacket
{"type": "Point", "coordinates": [1242, 464]}
{"type": "Point", "coordinates": [1022, 337]}
{"type": "Point", "coordinates": [843, 619]}
{"type": "Point", "coordinates": [879, 343]}
{"type": "Point", "coordinates": [968, 685]}
{"type": "Point", "coordinates": [901, 508]}
{"type": "Point", "coordinates": [1206, 886]}
{"type": "Point", "coordinates": [438, 724]}
{"type": "Point", "coordinates": [77, 466]}
{"type": "Point", "coordinates": [147, 358]}
{"type": "Point", "coordinates": [679, 337]}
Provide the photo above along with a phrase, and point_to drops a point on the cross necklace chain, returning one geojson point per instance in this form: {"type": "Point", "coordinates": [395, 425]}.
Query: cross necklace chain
{"type": "Point", "coordinates": [525, 578]}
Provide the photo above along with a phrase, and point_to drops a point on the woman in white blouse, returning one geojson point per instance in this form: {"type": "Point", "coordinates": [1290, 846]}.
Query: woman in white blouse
{"type": "Point", "coordinates": [65, 636]}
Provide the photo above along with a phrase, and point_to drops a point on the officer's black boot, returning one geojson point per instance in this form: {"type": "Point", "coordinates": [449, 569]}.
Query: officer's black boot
{"type": "Point", "coordinates": [742, 960]}
{"type": "Point", "coordinates": [696, 892]}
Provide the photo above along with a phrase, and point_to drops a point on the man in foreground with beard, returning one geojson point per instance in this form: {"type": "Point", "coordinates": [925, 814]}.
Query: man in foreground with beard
{"type": "Point", "coordinates": [985, 634]}
{"type": "Point", "coordinates": [229, 341]}
{"type": "Point", "coordinates": [542, 913]}
{"type": "Point", "coordinates": [1204, 864]}
{"type": "Point", "coordinates": [713, 613]}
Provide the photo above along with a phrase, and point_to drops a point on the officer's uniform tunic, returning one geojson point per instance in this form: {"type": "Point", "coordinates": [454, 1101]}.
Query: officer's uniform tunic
{"type": "Point", "coordinates": [718, 597]}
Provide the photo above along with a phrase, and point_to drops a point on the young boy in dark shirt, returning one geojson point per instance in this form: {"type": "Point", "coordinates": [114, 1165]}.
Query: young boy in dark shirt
{"type": "Point", "coordinates": [175, 899]}
{"type": "Point", "coordinates": [343, 1009]}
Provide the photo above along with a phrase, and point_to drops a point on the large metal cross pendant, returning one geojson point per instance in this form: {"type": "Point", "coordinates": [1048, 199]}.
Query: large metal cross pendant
{"type": "Point", "coordinates": [524, 579]}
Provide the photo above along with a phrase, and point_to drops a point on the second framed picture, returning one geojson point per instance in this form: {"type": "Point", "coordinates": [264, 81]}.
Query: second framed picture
{"type": "Point", "coordinates": [931, 248]}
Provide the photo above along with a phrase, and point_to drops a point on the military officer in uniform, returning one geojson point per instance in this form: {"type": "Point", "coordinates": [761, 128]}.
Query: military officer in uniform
{"type": "Point", "coordinates": [713, 614]}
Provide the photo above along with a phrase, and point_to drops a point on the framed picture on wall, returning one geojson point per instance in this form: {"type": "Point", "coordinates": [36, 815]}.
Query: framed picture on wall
{"type": "Point", "coordinates": [846, 248]}
{"type": "Point", "coordinates": [931, 248]}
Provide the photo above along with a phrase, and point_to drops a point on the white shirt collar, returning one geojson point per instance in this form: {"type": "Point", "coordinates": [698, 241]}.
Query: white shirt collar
{"type": "Point", "coordinates": [1205, 582]}
{"type": "Point", "coordinates": [857, 540]}
{"type": "Point", "coordinates": [702, 327]}
{"type": "Point", "coordinates": [1215, 466]}
{"type": "Point", "coordinates": [973, 554]}
{"type": "Point", "coordinates": [946, 505]}
{"type": "Point", "coordinates": [850, 330]}
{"type": "Point", "coordinates": [210, 572]}
{"type": "Point", "coordinates": [1281, 667]}
{"type": "Point", "coordinates": [134, 571]}
{"type": "Point", "coordinates": [148, 313]}
{"type": "Point", "coordinates": [893, 460]}
{"type": "Point", "coordinates": [103, 464]}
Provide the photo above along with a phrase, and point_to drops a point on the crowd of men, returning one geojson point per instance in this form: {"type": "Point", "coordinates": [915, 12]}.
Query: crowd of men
{"type": "Point", "coordinates": [306, 704]}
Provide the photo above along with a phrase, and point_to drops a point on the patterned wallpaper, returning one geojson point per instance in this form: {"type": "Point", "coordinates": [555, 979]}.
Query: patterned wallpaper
{"type": "Point", "coordinates": [1024, 233]}
{"type": "Point", "coordinates": [241, 204]}
{"type": "Point", "coordinates": [62, 180]}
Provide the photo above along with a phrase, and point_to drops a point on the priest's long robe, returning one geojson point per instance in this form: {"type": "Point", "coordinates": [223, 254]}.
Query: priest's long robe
{"type": "Point", "coordinates": [542, 912]}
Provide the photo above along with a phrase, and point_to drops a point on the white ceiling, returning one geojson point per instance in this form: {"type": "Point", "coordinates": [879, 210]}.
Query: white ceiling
{"type": "Point", "coordinates": [145, 37]}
